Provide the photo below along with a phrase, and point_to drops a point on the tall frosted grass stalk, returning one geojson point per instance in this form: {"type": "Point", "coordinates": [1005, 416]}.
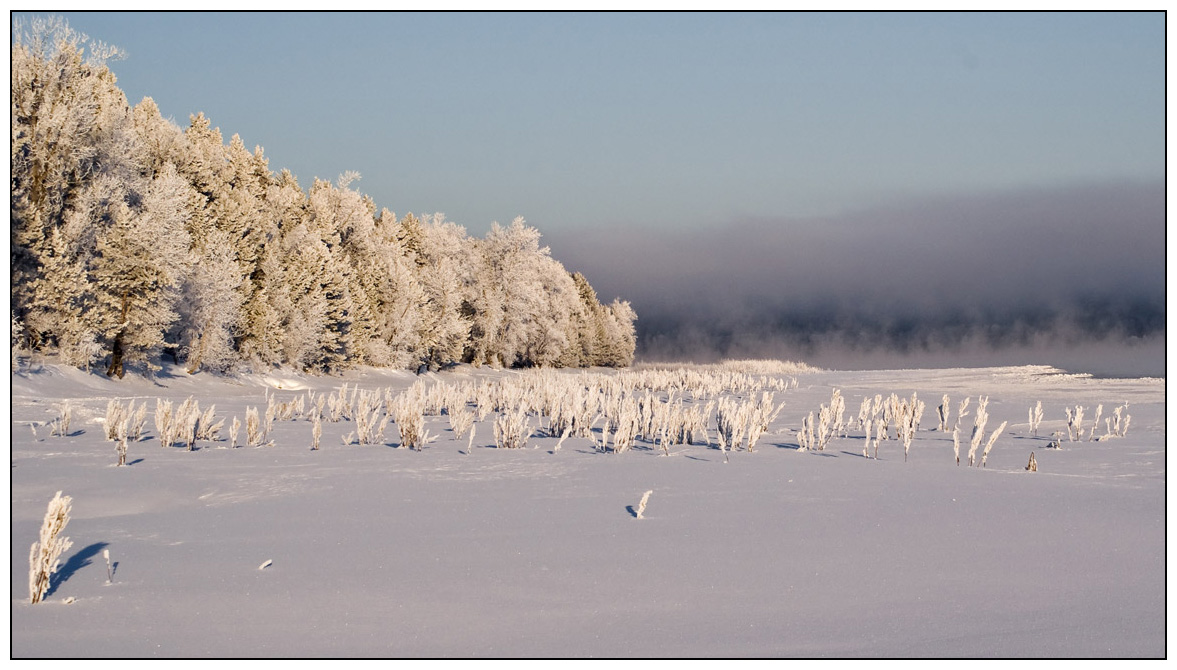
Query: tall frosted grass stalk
{"type": "Point", "coordinates": [316, 431]}
{"type": "Point", "coordinates": [642, 504]}
{"type": "Point", "coordinates": [866, 441]}
{"type": "Point", "coordinates": [992, 439]}
{"type": "Point", "coordinates": [943, 411]}
{"type": "Point", "coordinates": [978, 428]}
{"type": "Point", "coordinates": [559, 443]}
{"type": "Point", "coordinates": [44, 555]}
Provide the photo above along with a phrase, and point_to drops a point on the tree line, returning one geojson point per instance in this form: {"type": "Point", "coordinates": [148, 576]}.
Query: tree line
{"type": "Point", "coordinates": [134, 239]}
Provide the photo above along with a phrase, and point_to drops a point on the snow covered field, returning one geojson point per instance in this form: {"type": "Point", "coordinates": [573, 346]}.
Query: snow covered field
{"type": "Point", "coordinates": [380, 551]}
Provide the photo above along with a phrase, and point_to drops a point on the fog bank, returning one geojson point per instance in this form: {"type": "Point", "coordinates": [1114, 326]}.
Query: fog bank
{"type": "Point", "coordinates": [976, 279]}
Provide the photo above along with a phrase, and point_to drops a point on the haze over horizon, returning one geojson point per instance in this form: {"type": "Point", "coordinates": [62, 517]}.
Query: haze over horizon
{"type": "Point", "coordinates": [852, 187]}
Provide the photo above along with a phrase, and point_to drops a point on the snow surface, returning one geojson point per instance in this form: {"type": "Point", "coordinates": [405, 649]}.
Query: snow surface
{"type": "Point", "coordinates": [379, 551]}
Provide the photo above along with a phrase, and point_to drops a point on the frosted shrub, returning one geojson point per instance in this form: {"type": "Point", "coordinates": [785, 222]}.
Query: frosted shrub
{"type": "Point", "coordinates": [760, 416]}
{"type": "Point", "coordinates": [1036, 418]}
{"type": "Point", "coordinates": [336, 405]}
{"type": "Point", "coordinates": [880, 427]}
{"type": "Point", "coordinates": [483, 400]}
{"type": "Point", "coordinates": [1032, 466]}
{"type": "Point", "coordinates": [44, 555]}
{"type": "Point", "coordinates": [512, 429]}
{"type": "Point", "coordinates": [956, 443]}
{"type": "Point", "coordinates": [906, 429]}
{"type": "Point", "coordinates": [165, 422]}
{"type": "Point", "coordinates": [234, 430]}
{"type": "Point", "coordinates": [829, 422]}
{"type": "Point", "coordinates": [825, 427]}
{"type": "Point", "coordinates": [116, 416]}
{"type": "Point", "coordinates": [918, 408]}
{"type": "Point", "coordinates": [408, 411]}
{"type": "Point", "coordinates": [121, 443]}
{"type": "Point", "coordinates": [461, 420]}
{"type": "Point", "coordinates": [60, 426]}
{"type": "Point", "coordinates": [370, 418]}
{"type": "Point", "coordinates": [723, 445]}
{"type": "Point", "coordinates": [255, 436]}
{"type": "Point", "coordinates": [1074, 423]}
{"type": "Point", "coordinates": [837, 410]}
{"type": "Point", "coordinates": [962, 410]}
{"type": "Point", "coordinates": [189, 416]}
{"type": "Point", "coordinates": [694, 422]}
{"type": "Point", "coordinates": [625, 427]}
{"type": "Point", "coordinates": [137, 421]}
{"type": "Point", "coordinates": [1095, 423]}
{"type": "Point", "coordinates": [316, 432]}
{"type": "Point", "coordinates": [731, 420]}
{"type": "Point", "coordinates": [1118, 427]}
{"type": "Point", "coordinates": [992, 439]}
{"type": "Point", "coordinates": [208, 428]}
{"type": "Point", "coordinates": [806, 440]}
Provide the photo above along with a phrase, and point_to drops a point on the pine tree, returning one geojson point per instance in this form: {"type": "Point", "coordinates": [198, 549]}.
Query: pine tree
{"type": "Point", "coordinates": [141, 258]}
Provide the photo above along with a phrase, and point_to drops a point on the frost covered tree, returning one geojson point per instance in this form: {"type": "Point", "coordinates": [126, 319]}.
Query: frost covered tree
{"type": "Point", "coordinates": [210, 308]}
{"type": "Point", "coordinates": [65, 112]}
{"type": "Point", "coordinates": [140, 260]}
{"type": "Point", "coordinates": [444, 272]}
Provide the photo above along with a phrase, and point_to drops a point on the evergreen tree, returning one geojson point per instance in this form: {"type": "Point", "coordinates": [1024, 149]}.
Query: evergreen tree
{"type": "Point", "coordinates": [141, 257]}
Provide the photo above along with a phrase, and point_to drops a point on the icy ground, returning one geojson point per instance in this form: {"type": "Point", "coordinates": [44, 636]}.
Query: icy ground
{"type": "Point", "coordinates": [379, 551]}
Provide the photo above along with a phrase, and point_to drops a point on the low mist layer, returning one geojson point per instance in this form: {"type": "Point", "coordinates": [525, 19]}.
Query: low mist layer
{"type": "Point", "coordinates": [1028, 276]}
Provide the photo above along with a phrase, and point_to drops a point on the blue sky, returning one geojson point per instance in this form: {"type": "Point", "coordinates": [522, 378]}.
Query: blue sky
{"type": "Point", "coordinates": [667, 120]}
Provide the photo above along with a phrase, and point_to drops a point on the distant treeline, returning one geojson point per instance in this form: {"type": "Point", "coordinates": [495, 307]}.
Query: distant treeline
{"type": "Point", "coordinates": [132, 238]}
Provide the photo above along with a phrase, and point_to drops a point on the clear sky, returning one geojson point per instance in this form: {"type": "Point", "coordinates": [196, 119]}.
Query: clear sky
{"type": "Point", "coordinates": [573, 120]}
